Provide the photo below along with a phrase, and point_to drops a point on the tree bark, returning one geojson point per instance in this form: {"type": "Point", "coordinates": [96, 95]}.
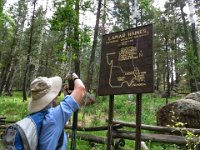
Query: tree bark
{"type": "Point", "coordinates": [11, 64]}
{"type": "Point", "coordinates": [92, 57]}
{"type": "Point", "coordinates": [9, 89]}
{"type": "Point", "coordinates": [76, 38]}
{"type": "Point", "coordinates": [77, 70]}
{"type": "Point", "coordinates": [8, 86]}
{"type": "Point", "coordinates": [43, 31]}
{"type": "Point", "coordinates": [26, 72]}
{"type": "Point", "coordinates": [3, 77]}
{"type": "Point", "coordinates": [168, 68]}
{"type": "Point", "coordinates": [8, 64]}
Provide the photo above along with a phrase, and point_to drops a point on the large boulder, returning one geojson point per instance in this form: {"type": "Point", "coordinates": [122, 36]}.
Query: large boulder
{"type": "Point", "coordinates": [194, 96]}
{"type": "Point", "coordinates": [186, 111]}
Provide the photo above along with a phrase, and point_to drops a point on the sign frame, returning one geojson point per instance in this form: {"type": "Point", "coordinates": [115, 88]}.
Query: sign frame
{"type": "Point", "coordinates": [127, 62]}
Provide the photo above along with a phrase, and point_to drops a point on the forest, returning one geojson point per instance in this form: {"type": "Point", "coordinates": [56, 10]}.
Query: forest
{"type": "Point", "coordinates": [55, 37]}
{"type": "Point", "coordinates": [46, 38]}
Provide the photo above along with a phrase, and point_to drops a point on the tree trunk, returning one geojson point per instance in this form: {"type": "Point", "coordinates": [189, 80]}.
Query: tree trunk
{"type": "Point", "coordinates": [172, 73]}
{"type": "Point", "coordinates": [8, 65]}
{"type": "Point", "coordinates": [157, 74]}
{"type": "Point", "coordinates": [186, 38]}
{"type": "Point", "coordinates": [104, 18]}
{"type": "Point", "coordinates": [77, 70]}
{"type": "Point", "coordinates": [76, 38]}
{"type": "Point", "coordinates": [164, 79]}
{"type": "Point", "coordinates": [11, 64]}
{"type": "Point", "coordinates": [7, 89]}
{"type": "Point", "coordinates": [5, 74]}
{"type": "Point", "coordinates": [43, 31]}
{"type": "Point", "coordinates": [3, 78]}
{"type": "Point", "coordinates": [92, 57]}
{"type": "Point", "coordinates": [18, 36]}
{"type": "Point", "coordinates": [28, 54]}
{"type": "Point", "coordinates": [168, 67]}
{"type": "Point", "coordinates": [10, 81]}
{"type": "Point", "coordinates": [176, 61]}
{"type": "Point", "coordinates": [195, 49]}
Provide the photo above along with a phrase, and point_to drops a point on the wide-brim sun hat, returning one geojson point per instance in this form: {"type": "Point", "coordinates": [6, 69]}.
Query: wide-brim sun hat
{"type": "Point", "coordinates": [43, 92]}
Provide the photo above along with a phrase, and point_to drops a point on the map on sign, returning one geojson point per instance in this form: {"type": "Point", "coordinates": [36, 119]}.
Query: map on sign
{"type": "Point", "coordinates": [132, 77]}
{"type": "Point", "coordinates": [127, 62]}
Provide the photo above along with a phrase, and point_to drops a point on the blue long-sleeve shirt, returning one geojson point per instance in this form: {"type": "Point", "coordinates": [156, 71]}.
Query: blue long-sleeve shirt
{"type": "Point", "coordinates": [54, 122]}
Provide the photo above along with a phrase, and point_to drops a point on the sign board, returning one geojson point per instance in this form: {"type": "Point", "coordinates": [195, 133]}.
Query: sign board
{"type": "Point", "coordinates": [127, 62]}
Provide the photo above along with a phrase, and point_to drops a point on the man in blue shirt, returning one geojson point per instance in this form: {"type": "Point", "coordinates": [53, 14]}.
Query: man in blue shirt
{"type": "Point", "coordinates": [44, 92]}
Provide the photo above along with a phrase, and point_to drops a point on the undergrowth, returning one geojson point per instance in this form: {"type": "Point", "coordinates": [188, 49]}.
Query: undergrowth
{"type": "Point", "coordinates": [97, 114]}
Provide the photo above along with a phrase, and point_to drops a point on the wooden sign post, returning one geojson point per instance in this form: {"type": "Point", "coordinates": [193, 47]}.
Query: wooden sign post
{"type": "Point", "coordinates": [127, 66]}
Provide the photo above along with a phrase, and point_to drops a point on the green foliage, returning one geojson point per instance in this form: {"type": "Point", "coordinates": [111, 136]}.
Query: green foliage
{"type": "Point", "coordinates": [121, 13]}
{"type": "Point", "coordinates": [86, 5]}
{"type": "Point", "coordinates": [10, 20]}
{"type": "Point", "coordinates": [64, 15]}
{"type": "Point", "coordinates": [145, 4]}
{"type": "Point", "coordinates": [96, 115]}
{"type": "Point", "coordinates": [189, 136]}
{"type": "Point", "coordinates": [13, 107]}
{"type": "Point", "coordinates": [74, 40]}
{"type": "Point", "coordinates": [1, 12]}
{"type": "Point", "coordinates": [61, 32]}
{"type": "Point", "coordinates": [193, 63]}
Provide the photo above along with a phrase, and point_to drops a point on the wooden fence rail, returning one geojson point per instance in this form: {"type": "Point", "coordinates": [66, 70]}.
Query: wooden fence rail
{"type": "Point", "coordinates": [161, 138]}
{"type": "Point", "coordinates": [166, 135]}
{"type": "Point", "coordinates": [160, 129]}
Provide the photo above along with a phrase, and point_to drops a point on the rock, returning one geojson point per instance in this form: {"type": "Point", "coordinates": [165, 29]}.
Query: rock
{"type": "Point", "coordinates": [186, 111]}
{"type": "Point", "coordinates": [194, 96]}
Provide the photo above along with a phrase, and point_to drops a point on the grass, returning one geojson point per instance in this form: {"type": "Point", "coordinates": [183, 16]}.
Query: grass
{"type": "Point", "coordinates": [94, 115]}
{"type": "Point", "coordinates": [13, 107]}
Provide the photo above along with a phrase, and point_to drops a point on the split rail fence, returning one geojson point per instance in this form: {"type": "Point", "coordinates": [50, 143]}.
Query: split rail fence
{"type": "Point", "coordinates": [123, 130]}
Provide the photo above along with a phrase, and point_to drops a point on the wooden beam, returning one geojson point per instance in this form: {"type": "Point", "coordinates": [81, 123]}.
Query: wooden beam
{"type": "Point", "coordinates": [117, 143]}
{"type": "Point", "coordinates": [91, 138]}
{"type": "Point", "coordinates": [161, 129]}
{"type": "Point", "coordinates": [99, 128]}
{"type": "Point", "coordinates": [162, 138]}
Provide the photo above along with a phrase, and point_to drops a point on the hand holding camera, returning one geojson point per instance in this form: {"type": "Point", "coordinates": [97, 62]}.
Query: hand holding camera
{"type": "Point", "coordinates": [71, 77]}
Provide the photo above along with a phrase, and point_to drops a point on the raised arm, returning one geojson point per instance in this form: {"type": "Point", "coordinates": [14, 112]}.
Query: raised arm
{"type": "Point", "coordinates": [79, 88]}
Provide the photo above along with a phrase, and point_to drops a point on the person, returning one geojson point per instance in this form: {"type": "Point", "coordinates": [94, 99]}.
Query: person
{"type": "Point", "coordinates": [44, 92]}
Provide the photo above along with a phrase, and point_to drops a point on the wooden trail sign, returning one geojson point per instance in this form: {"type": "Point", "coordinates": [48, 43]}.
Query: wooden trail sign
{"type": "Point", "coordinates": [127, 62]}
